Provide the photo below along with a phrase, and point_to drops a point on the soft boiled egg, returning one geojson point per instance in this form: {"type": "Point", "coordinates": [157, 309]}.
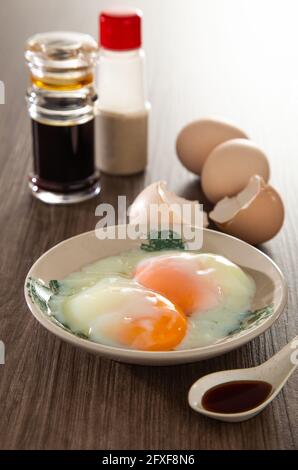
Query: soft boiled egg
{"type": "Point", "coordinates": [195, 282]}
{"type": "Point", "coordinates": [153, 301]}
{"type": "Point", "coordinates": [121, 313]}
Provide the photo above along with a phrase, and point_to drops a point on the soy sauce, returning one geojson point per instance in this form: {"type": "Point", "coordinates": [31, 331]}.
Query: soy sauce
{"type": "Point", "coordinates": [236, 396]}
{"type": "Point", "coordinates": [63, 156]}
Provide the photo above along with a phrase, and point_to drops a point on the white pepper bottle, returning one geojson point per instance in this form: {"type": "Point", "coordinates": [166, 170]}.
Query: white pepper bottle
{"type": "Point", "coordinates": [122, 109]}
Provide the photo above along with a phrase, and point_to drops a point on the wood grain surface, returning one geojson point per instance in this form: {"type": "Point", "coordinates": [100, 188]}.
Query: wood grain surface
{"type": "Point", "coordinates": [227, 58]}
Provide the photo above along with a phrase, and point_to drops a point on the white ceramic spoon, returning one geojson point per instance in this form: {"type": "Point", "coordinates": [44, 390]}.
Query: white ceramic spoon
{"type": "Point", "coordinates": [275, 371]}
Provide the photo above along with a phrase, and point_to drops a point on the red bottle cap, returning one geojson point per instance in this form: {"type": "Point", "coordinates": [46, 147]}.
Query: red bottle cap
{"type": "Point", "coordinates": [120, 31]}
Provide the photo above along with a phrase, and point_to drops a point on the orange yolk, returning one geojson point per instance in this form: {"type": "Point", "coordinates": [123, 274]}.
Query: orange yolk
{"type": "Point", "coordinates": [162, 331]}
{"type": "Point", "coordinates": [184, 287]}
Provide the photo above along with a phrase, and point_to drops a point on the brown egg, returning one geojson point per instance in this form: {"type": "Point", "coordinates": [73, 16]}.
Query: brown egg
{"type": "Point", "coordinates": [196, 140]}
{"type": "Point", "coordinates": [229, 167]}
{"type": "Point", "coordinates": [255, 215]}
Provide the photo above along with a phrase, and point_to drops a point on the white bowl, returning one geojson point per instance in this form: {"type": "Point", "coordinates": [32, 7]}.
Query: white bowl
{"type": "Point", "coordinates": [70, 255]}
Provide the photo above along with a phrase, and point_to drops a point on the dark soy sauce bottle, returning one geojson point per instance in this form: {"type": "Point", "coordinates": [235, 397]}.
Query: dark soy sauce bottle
{"type": "Point", "coordinates": [61, 106]}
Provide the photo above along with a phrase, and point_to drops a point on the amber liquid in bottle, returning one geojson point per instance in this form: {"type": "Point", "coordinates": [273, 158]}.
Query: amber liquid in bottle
{"type": "Point", "coordinates": [60, 100]}
{"type": "Point", "coordinates": [62, 85]}
{"type": "Point", "coordinates": [63, 156]}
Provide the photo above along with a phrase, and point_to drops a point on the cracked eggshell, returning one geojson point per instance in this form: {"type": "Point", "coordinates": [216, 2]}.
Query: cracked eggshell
{"type": "Point", "coordinates": [230, 166]}
{"type": "Point", "coordinates": [157, 193]}
{"type": "Point", "coordinates": [255, 215]}
{"type": "Point", "coordinates": [196, 140]}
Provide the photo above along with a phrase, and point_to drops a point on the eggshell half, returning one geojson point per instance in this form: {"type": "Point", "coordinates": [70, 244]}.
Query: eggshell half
{"type": "Point", "coordinates": [196, 140]}
{"type": "Point", "coordinates": [229, 167]}
{"type": "Point", "coordinates": [157, 193]}
{"type": "Point", "coordinates": [255, 215]}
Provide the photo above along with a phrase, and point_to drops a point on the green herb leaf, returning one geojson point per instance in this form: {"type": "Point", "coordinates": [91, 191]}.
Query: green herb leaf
{"type": "Point", "coordinates": [163, 240]}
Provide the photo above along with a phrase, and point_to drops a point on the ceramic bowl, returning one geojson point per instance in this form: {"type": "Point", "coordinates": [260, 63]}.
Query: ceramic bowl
{"type": "Point", "coordinates": [72, 254]}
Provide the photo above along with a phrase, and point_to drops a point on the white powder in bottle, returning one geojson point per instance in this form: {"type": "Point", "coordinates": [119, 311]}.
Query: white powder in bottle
{"type": "Point", "coordinates": [122, 110]}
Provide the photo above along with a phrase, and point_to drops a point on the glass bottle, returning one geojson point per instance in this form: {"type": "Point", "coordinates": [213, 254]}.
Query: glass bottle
{"type": "Point", "coordinates": [61, 101]}
{"type": "Point", "coordinates": [122, 108]}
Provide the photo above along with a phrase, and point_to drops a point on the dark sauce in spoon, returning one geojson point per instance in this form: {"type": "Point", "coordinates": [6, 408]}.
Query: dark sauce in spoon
{"type": "Point", "coordinates": [236, 397]}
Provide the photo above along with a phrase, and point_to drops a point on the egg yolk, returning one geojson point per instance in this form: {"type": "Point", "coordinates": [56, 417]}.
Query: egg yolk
{"type": "Point", "coordinates": [186, 288]}
{"type": "Point", "coordinates": [162, 331]}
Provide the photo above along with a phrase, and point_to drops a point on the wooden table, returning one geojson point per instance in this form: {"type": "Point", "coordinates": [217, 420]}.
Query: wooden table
{"type": "Point", "coordinates": [231, 58]}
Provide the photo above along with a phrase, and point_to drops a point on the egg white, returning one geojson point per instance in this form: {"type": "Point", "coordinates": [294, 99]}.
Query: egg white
{"type": "Point", "coordinates": [90, 300]}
